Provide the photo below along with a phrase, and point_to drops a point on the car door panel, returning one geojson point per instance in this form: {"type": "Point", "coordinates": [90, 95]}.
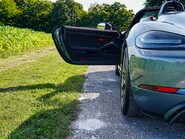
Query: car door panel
{"type": "Point", "coordinates": [87, 46]}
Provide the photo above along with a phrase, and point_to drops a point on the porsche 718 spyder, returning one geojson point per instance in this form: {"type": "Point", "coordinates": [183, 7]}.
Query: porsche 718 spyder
{"type": "Point", "coordinates": [150, 54]}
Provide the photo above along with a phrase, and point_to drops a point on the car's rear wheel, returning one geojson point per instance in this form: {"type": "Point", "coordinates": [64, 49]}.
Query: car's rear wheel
{"type": "Point", "coordinates": [128, 104]}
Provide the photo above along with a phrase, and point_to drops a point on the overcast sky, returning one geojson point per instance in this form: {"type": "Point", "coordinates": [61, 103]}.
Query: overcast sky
{"type": "Point", "coordinates": [136, 5]}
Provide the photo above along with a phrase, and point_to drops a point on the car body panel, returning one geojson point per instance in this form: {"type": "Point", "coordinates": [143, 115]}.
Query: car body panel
{"type": "Point", "coordinates": [163, 24]}
{"type": "Point", "coordinates": [155, 103]}
{"type": "Point", "coordinates": [156, 67]}
{"type": "Point", "coordinates": [159, 68]}
{"type": "Point", "coordinates": [174, 19]}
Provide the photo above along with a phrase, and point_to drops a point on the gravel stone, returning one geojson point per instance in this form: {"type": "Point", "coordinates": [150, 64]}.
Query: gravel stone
{"type": "Point", "coordinates": [101, 118]}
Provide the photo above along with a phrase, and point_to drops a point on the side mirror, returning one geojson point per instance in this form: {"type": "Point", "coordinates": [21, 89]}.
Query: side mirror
{"type": "Point", "coordinates": [101, 26]}
{"type": "Point", "coordinates": [107, 26]}
{"type": "Point", "coordinates": [104, 26]}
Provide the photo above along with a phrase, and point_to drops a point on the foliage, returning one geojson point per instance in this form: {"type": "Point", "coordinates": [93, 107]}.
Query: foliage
{"type": "Point", "coordinates": [40, 101]}
{"type": "Point", "coordinates": [40, 15]}
{"type": "Point", "coordinates": [43, 15]}
{"type": "Point", "coordinates": [8, 11]}
{"type": "Point", "coordinates": [35, 15]}
{"type": "Point", "coordinates": [59, 14]}
{"type": "Point", "coordinates": [15, 40]}
{"type": "Point", "coordinates": [66, 13]}
{"type": "Point", "coordinates": [151, 3]}
{"type": "Point", "coordinates": [75, 10]}
{"type": "Point", "coordinates": [116, 14]}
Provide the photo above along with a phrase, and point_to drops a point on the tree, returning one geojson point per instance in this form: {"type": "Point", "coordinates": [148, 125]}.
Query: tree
{"type": "Point", "coordinates": [35, 14]}
{"type": "Point", "coordinates": [67, 12]}
{"type": "Point", "coordinates": [151, 3]}
{"type": "Point", "coordinates": [43, 15]}
{"type": "Point", "coordinates": [59, 14]}
{"type": "Point", "coordinates": [8, 12]}
{"type": "Point", "coordinates": [75, 11]}
{"type": "Point", "coordinates": [116, 14]}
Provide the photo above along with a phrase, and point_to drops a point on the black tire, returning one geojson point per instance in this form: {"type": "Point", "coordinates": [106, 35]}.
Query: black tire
{"type": "Point", "coordinates": [117, 71]}
{"type": "Point", "coordinates": [128, 105]}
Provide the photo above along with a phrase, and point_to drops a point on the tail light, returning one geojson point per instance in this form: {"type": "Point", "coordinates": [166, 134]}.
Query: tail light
{"type": "Point", "coordinates": [159, 88]}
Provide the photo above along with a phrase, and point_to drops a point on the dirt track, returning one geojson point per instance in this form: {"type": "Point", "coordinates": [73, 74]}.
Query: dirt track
{"type": "Point", "coordinates": [14, 61]}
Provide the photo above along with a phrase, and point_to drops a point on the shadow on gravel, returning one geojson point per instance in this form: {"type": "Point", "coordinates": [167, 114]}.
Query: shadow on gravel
{"type": "Point", "coordinates": [106, 108]}
{"type": "Point", "coordinates": [147, 127]}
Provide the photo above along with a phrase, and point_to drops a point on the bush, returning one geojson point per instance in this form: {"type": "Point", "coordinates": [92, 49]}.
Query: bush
{"type": "Point", "coordinates": [15, 41]}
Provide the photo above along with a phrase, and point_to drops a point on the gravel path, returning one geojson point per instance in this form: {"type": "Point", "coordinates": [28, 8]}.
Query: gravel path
{"type": "Point", "coordinates": [100, 116]}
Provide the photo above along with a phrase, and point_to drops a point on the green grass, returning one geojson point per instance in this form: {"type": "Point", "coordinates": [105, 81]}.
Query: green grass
{"type": "Point", "coordinates": [39, 99]}
{"type": "Point", "coordinates": [15, 41]}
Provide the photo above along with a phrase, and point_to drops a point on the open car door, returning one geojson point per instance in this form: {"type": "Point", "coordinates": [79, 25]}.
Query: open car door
{"type": "Point", "coordinates": [88, 46]}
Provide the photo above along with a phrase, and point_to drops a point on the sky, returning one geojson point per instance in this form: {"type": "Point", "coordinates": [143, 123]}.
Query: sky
{"type": "Point", "coordinates": [135, 5]}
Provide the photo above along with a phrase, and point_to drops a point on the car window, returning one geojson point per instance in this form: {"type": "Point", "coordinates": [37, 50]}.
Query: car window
{"type": "Point", "coordinates": [149, 16]}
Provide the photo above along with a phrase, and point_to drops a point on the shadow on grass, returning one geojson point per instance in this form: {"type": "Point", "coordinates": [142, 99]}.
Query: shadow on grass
{"type": "Point", "coordinates": [27, 87]}
{"type": "Point", "coordinates": [50, 124]}
{"type": "Point", "coordinates": [71, 84]}
{"type": "Point", "coordinates": [53, 123]}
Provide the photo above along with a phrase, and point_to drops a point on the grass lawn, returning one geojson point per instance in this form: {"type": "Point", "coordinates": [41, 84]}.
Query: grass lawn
{"type": "Point", "coordinates": [39, 99]}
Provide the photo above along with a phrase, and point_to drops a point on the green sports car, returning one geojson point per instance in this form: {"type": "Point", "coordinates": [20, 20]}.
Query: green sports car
{"type": "Point", "coordinates": [150, 54]}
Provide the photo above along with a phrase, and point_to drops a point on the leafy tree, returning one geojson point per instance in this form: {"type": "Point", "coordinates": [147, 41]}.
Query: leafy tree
{"type": "Point", "coordinates": [43, 15]}
{"type": "Point", "coordinates": [151, 3]}
{"type": "Point", "coordinates": [120, 16]}
{"type": "Point", "coordinates": [59, 14]}
{"type": "Point", "coordinates": [35, 14]}
{"type": "Point", "coordinates": [116, 14]}
{"type": "Point", "coordinates": [68, 12]}
{"type": "Point", "coordinates": [8, 12]}
{"type": "Point", "coordinates": [75, 10]}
